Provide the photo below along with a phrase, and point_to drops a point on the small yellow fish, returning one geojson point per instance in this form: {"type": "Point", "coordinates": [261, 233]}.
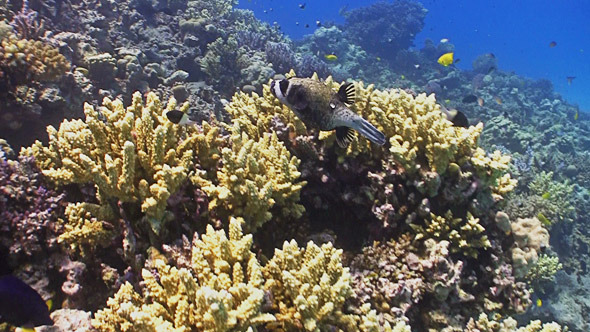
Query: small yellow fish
{"type": "Point", "coordinates": [539, 303]}
{"type": "Point", "coordinates": [543, 219]}
{"type": "Point", "coordinates": [403, 77]}
{"type": "Point", "coordinates": [447, 101]}
{"type": "Point", "coordinates": [446, 59]}
{"type": "Point", "coordinates": [378, 58]}
{"type": "Point", "coordinates": [577, 115]}
{"type": "Point", "coordinates": [546, 195]}
{"type": "Point", "coordinates": [331, 57]}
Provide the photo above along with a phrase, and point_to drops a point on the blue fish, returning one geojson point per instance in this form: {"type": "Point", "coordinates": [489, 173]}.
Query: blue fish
{"type": "Point", "coordinates": [21, 305]}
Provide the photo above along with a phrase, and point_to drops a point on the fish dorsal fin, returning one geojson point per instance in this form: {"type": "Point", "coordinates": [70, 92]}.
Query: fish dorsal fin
{"type": "Point", "coordinates": [344, 135]}
{"type": "Point", "coordinates": [347, 93]}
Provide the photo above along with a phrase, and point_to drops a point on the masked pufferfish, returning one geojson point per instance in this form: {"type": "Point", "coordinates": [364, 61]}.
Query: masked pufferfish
{"type": "Point", "coordinates": [318, 106]}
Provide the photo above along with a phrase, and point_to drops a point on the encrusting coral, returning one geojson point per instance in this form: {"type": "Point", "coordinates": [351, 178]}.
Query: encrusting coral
{"type": "Point", "coordinates": [530, 237]}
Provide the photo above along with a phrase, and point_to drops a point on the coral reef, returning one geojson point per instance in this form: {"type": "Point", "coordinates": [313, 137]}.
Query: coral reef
{"type": "Point", "coordinates": [222, 290]}
{"type": "Point", "coordinates": [415, 186]}
{"type": "Point", "coordinates": [385, 28]}
{"type": "Point", "coordinates": [543, 272]}
{"type": "Point", "coordinates": [419, 220]}
{"type": "Point", "coordinates": [134, 156]}
{"type": "Point", "coordinates": [308, 286]}
{"type": "Point", "coordinates": [484, 324]}
{"type": "Point", "coordinates": [29, 210]}
{"type": "Point", "coordinates": [256, 175]}
{"type": "Point", "coordinates": [27, 59]}
{"type": "Point", "coordinates": [27, 67]}
{"type": "Point", "coordinates": [530, 237]}
{"type": "Point", "coordinates": [550, 201]}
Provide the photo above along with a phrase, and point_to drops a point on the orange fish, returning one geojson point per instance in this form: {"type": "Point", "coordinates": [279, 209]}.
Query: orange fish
{"type": "Point", "coordinates": [498, 100]}
{"type": "Point", "coordinates": [552, 44]}
{"type": "Point", "coordinates": [480, 101]}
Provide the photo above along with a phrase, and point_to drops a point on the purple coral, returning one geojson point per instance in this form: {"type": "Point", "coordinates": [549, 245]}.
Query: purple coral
{"type": "Point", "coordinates": [28, 209]}
{"type": "Point", "coordinates": [385, 28]}
{"type": "Point", "coordinates": [25, 23]}
{"type": "Point", "coordinates": [281, 56]}
{"type": "Point", "coordinates": [310, 64]}
{"type": "Point", "coordinates": [251, 39]}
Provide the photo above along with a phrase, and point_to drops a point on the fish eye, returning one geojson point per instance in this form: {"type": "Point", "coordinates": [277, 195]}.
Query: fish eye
{"type": "Point", "coordinates": [284, 84]}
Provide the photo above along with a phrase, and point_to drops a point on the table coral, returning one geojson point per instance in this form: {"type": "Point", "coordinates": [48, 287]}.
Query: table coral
{"type": "Point", "coordinates": [221, 291]}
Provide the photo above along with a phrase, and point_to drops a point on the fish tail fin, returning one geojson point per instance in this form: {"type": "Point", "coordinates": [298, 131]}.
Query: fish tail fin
{"type": "Point", "coordinates": [366, 129]}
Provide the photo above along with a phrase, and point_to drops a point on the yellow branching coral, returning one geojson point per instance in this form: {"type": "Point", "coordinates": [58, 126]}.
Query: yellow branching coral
{"type": "Point", "coordinates": [418, 133]}
{"type": "Point", "coordinates": [222, 291]}
{"type": "Point", "coordinates": [484, 324]}
{"type": "Point", "coordinates": [421, 138]}
{"type": "Point", "coordinates": [255, 114]}
{"type": "Point", "coordinates": [465, 236]}
{"type": "Point", "coordinates": [492, 169]}
{"type": "Point", "coordinates": [257, 174]}
{"type": "Point", "coordinates": [31, 60]}
{"type": "Point", "coordinates": [308, 285]}
{"type": "Point", "coordinates": [84, 228]}
{"type": "Point", "coordinates": [133, 154]}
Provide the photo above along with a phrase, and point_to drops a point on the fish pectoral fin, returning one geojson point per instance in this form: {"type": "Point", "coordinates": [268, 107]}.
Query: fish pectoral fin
{"type": "Point", "coordinates": [344, 135]}
{"type": "Point", "coordinates": [347, 93]}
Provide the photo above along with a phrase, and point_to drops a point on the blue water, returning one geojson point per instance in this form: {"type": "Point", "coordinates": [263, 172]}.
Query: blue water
{"type": "Point", "coordinates": [517, 32]}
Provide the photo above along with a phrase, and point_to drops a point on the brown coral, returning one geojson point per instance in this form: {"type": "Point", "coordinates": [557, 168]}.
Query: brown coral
{"type": "Point", "coordinates": [23, 60]}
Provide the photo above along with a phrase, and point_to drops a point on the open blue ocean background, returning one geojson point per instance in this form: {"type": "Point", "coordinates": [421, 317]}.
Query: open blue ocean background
{"type": "Point", "coordinates": [517, 32]}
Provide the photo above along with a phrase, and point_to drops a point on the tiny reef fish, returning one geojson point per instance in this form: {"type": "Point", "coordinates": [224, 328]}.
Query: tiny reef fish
{"type": "Point", "coordinates": [446, 59]}
{"type": "Point", "coordinates": [331, 57]}
{"type": "Point", "coordinates": [458, 118]}
{"type": "Point", "coordinates": [179, 118]}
